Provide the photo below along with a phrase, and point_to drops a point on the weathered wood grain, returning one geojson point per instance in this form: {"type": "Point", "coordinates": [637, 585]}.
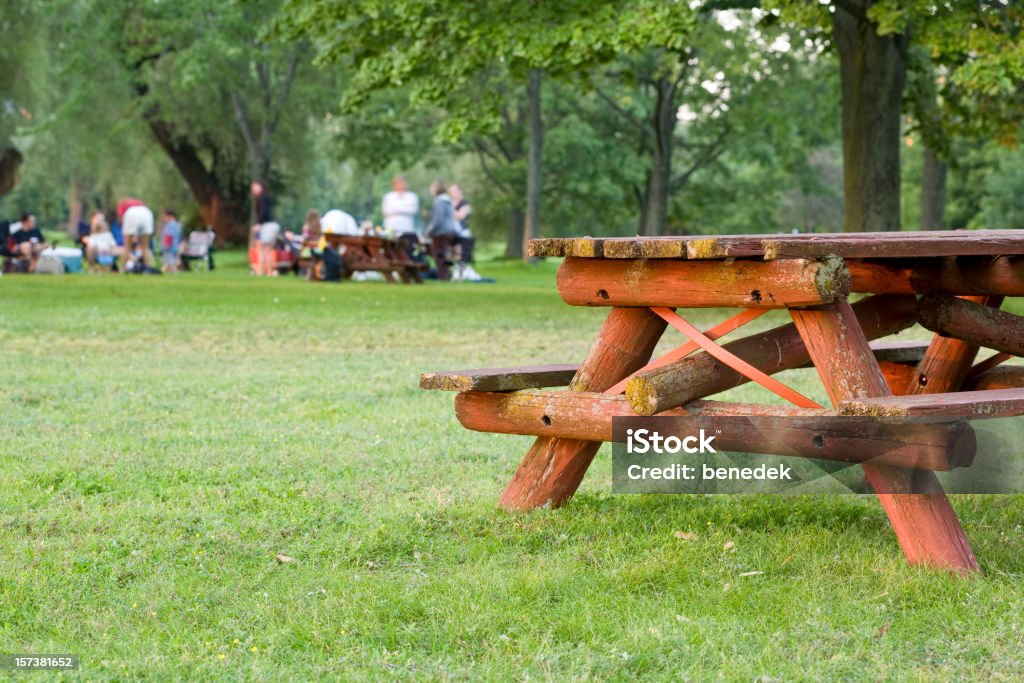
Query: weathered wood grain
{"type": "Point", "coordinates": [972, 322]}
{"type": "Point", "coordinates": [701, 284]}
{"type": "Point", "coordinates": [925, 523]}
{"type": "Point", "coordinates": [744, 428]}
{"type": "Point", "coordinates": [500, 379]}
{"type": "Point", "coordinates": [958, 404]}
{"type": "Point", "coordinates": [883, 245]}
{"type": "Point", "coordinates": [700, 375]}
{"type": "Point", "coordinates": [950, 275]}
{"type": "Point", "coordinates": [553, 468]}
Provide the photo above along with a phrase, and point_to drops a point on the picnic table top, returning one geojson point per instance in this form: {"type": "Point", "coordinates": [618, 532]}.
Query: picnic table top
{"type": "Point", "coordinates": [781, 246]}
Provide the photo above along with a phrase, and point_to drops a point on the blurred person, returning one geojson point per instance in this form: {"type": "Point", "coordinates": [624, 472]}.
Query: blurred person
{"type": "Point", "coordinates": [399, 208]}
{"type": "Point", "coordinates": [170, 241]}
{"type": "Point", "coordinates": [136, 226]}
{"type": "Point", "coordinates": [312, 228]}
{"type": "Point", "coordinates": [101, 248]}
{"type": "Point", "coordinates": [464, 240]}
{"type": "Point", "coordinates": [441, 229]}
{"type": "Point", "coordinates": [337, 222]}
{"type": "Point", "coordinates": [28, 239]}
{"type": "Point", "coordinates": [265, 227]}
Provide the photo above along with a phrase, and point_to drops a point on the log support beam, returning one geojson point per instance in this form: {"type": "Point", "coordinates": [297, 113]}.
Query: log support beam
{"type": "Point", "coordinates": [553, 468]}
{"type": "Point", "coordinates": [920, 513]}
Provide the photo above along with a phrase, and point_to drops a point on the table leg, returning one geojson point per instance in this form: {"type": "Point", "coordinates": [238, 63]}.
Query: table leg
{"type": "Point", "coordinates": [553, 468]}
{"type": "Point", "coordinates": [947, 361]}
{"type": "Point", "coordinates": [925, 523]}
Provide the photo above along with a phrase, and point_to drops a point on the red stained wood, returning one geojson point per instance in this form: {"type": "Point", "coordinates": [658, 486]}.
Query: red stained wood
{"type": "Point", "coordinates": [701, 284]}
{"type": "Point", "coordinates": [884, 245]}
{"type": "Point", "coordinates": [951, 275]}
{"type": "Point", "coordinates": [1002, 377]}
{"type": "Point", "coordinates": [745, 428]}
{"type": "Point", "coordinates": [947, 362]}
{"type": "Point", "coordinates": [970, 404]}
{"type": "Point", "coordinates": [654, 391]}
{"type": "Point", "coordinates": [924, 521]}
{"type": "Point", "coordinates": [500, 379]}
{"type": "Point", "coordinates": [972, 322]}
{"type": "Point", "coordinates": [553, 468]}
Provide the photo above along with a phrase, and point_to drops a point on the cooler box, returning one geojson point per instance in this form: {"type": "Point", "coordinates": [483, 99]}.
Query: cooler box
{"type": "Point", "coordinates": [71, 257]}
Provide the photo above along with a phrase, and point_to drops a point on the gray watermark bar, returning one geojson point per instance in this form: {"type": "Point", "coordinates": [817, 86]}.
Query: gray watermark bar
{"type": "Point", "coordinates": [35, 662]}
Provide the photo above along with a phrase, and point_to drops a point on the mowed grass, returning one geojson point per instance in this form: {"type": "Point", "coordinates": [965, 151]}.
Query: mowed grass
{"type": "Point", "coordinates": [162, 439]}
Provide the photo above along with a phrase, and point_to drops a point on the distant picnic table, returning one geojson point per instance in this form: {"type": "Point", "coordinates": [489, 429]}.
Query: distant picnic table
{"type": "Point", "coordinates": [371, 253]}
{"type": "Point", "coordinates": [951, 282]}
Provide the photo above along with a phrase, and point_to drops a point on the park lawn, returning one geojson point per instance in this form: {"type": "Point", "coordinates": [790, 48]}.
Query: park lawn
{"type": "Point", "coordinates": [162, 439]}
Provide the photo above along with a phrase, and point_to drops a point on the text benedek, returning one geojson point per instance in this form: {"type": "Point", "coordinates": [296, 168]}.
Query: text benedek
{"type": "Point", "coordinates": [645, 441]}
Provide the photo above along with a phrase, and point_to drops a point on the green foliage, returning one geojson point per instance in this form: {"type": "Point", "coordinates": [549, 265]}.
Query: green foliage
{"type": "Point", "coordinates": [448, 54]}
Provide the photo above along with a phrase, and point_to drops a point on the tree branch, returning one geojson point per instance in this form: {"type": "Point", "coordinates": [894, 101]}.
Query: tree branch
{"type": "Point", "coordinates": [625, 113]}
{"type": "Point", "coordinates": [711, 152]}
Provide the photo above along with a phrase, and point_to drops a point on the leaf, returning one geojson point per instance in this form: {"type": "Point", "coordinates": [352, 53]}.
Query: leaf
{"type": "Point", "coordinates": [685, 535]}
{"type": "Point", "coordinates": [882, 631]}
{"type": "Point", "coordinates": [283, 559]}
{"type": "Point", "coordinates": [751, 573]}
{"type": "Point", "coordinates": [729, 545]}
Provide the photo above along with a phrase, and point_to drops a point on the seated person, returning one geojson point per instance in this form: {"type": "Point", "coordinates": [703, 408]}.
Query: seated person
{"type": "Point", "coordinates": [28, 240]}
{"type": "Point", "coordinates": [337, 222]}
{"type": "Point", "coordinates": [101, 248]}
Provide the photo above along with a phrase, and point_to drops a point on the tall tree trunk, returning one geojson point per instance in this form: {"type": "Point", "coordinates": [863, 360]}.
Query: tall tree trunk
{"type": "Point", "coordinates": [74, 208]}
{"type": "Point", "coordinates": [659, 177]}
{"type": "Point", "coordinates": [873, 71]}
{"type": "Point", "coordinates": [10, 160]}
{"type": "Point", "coordinates": [225, 209]}
{"type": "Point", "coordinates": [933, 192]}
{"type": "Point", "coordinates": [514, 245]}
{"type": "Point", "coordinates": [534, 155]}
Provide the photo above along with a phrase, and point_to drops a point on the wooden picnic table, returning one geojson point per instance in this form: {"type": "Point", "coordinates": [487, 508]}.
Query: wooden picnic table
{"type": "Point", "coordinates": [364, 253]}
{"type": "Point", "coordinates": [951, 282]}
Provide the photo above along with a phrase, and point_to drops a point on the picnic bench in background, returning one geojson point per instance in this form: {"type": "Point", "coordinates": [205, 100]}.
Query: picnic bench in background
{"type": "Point", "coordinates": [951, 282]}
{"type": "Point", "coordinates": [371, 253]}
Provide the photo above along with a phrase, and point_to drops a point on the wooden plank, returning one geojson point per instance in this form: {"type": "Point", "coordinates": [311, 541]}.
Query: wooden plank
{"type": "Point", "coordinates": [554, 247]}
{"type": "Point", "coordinates": [884, 245]}
{"type": "Point", "coordinates": [900, 245]}
{"type": "Point", "coordinates": [951, 275]}
{"type": "Point", "coordinates": [743, 428]}
{"type": "Point", "coordinates": [972, 322]}
{"type": "Point", "coordinates": [539, 376]}
{"type": "Point", "coordinates": [553, 468]}
{"type": "Point", "coordinates": [701, 284]}
{"type": "Point", "coordinates": [699, 375]}
{"type": "Point", "coordinates": [500, 379]}
{"type": "Point", "coordinates": [958, 404]}
{"type": "Point", "coordinates": [925, 523]}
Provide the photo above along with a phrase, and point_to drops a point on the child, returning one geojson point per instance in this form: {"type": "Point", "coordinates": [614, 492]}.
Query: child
{"type": "Point", "coordinates": [170, 241]}
{"type": "Point", "coordinates": [101, 248]}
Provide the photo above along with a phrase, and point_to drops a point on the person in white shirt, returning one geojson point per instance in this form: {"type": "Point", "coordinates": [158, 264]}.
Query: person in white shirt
{"type": "Point", "coordinates": [337, 222]}
{"type": "Point", "coordinates": [400, 208]}
{"type": "Point", "coordinates": [101, 248]}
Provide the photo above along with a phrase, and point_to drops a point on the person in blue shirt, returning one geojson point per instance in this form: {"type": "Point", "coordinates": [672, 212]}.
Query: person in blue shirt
{"type": "Point", "coordinates": [170, 241]}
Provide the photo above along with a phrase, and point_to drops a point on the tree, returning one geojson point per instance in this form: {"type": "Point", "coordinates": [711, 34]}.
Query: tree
{"type": "Point", "coordinates": [451, 52]}
{"type": "Point", "coordinates": [221, 101]}
{"type": "Point", "coordinates": [22, 59]}
{"type": "Point", "coordinates": [977, 42]}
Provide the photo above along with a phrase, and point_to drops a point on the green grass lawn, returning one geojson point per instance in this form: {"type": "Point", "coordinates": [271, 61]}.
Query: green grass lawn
{"type": "Point", "coordinates": [162, 439]}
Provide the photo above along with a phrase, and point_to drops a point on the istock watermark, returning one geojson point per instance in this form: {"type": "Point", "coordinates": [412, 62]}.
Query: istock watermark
{"type": "Point", "coordinates": [813, 453]}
